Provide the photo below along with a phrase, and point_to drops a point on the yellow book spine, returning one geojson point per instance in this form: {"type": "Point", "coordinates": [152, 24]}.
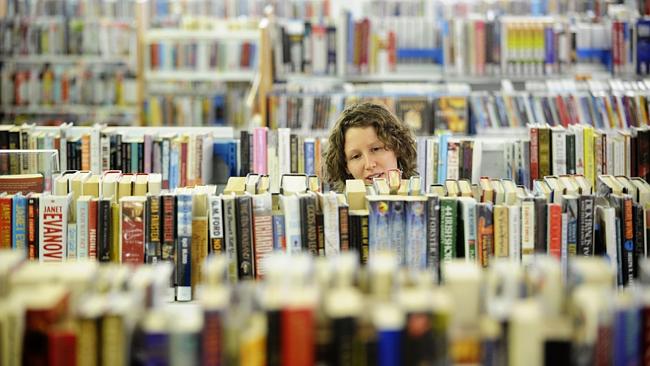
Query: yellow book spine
{"type": "Point", "coordinates": [199, 247]}
{"type": "Point", "coordinates": [115, 245]}
{"type": "Point", "coordinates": [588, 144]}
{"type": "Point", "coordinates": [501, 231]}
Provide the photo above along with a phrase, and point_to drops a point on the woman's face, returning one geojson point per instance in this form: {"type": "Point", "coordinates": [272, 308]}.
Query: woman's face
{"type": "Point", "coordinates": [366, 155]}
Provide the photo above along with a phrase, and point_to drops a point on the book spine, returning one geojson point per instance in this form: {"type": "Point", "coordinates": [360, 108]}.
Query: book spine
{"type": "Point", "coordinates": [279, 242]}
{"type": "Point", "coordinates": [292, 218]}
{"type": "Point", "coordinates": [5, 222]}
{"type": "Point", "coordinates": [378, 226]}
{"type": "Point", "coordinates": [132, 231]}
{"type": "Point", "coordinates": [245, 264]}
{"type": "Point", "coordinates": [544, 143]}
{"type": "Point", "coordinates": [308, 224]}
{"type": "Point", "coordinates": [554, 225]}
{"type": "Point", "coordinates": [540, 225]}
{"type": "Point", "coordinates": [527, 231]}
{"type": "Point", "coordinates": [72, 241]}
{"type": "Point", "coordinates": [397, 228]}
{"type": "Point", "coordinates": [363, 239]}
{"type": "Point", "coordinates": [639, 235]}
{"type": "Point", "coordinates": [104, 230]}
{"type": "Point", "coordinates": [33, 228]}
{"type": "Point", "coordinates": [433, 233]}
{"type": "Point", "coordinates": [297, 334]}
{"type": "Point", "coordinates": [19, 223]}
{"type": "Point", "coordinates": [184, 247]}
{"type": "Point", "coordinates": [216, 224]}
{"type": "Point", "coordinates": [92, 229]}
{"type": "Point", "coordinates": [514, 234]}
{"type": "Point", "coordinates": [586, 212]}
{"type": "Point", "coordinates": [153, 252]}
{"type": "Point", "coordinates": [260, 150]}
{"type": "Point", "coordinates": [416, 230]}
{"type": "Point", "coordinates": [262, 232]}
{"type": "Point", "coordinates": [344, 228]}
{"type": "Point", "coordinates": [485, 233]}
{"type": "Point", "coordinates": [212, 339]}
{"type": "Point", "coordinates": [199, 250]}
{"type": "Point", "coordinates": [501, 240]}
{"type": "Point", "coordinates": [53, 236]}
{"type": "Point", "coordinates": [448, 224]}
{"type": "Point", "coordinates": [230, 233]}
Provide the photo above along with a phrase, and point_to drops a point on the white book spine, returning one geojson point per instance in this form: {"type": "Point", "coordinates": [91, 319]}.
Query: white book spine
{"type": "Point", "coordinates": [331, 223]}
{"type": "Point", "coordinates": [82, 228]}
{"type": "Point", "coordinates": [206, 161]}
{"type": "Point", "coordinates": [527, 231]}
{"type": "Point", "coordinates": [284, 150]}
{"type": "Point", "coordinates": [105, 153]}
{"type": "Point", "coordinates": [579, 151]}
{"type": "Point", "coordinates": [72, 241]}
{"type": "Point", "coordinates": [291, 209]}
{"type": "Point", "coordinates": [558, 151]}
{"type": "Point", "coordinates": [514, 235]}
{"type": "Point", "coordinates": [95, 151]}
{"type": "Point", "coordinates": [53, 211]}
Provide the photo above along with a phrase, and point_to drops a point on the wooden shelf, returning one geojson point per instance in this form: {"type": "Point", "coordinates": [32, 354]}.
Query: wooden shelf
{"type": "Point", "coordinates": [79, 109]}
{"type": "Point", "coordinates": [68, 59]}
{"type": "Point", "coordinates": [234, 76]}
{"type": "Point", "coordinates": [183, 34]}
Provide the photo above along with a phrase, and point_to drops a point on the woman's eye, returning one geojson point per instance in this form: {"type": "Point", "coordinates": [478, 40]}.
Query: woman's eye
{"type": "Point", "coordinates": [375, 149]}
{"type": "Point", "coordinates": [354, 157]}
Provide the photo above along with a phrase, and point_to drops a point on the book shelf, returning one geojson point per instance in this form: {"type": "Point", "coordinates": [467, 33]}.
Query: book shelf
{"type": "Point", "coordinates": [67, 61]}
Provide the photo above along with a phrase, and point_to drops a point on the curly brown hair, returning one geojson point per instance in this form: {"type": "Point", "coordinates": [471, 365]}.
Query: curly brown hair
{"type": "Point", "coordinates": [396, 135]}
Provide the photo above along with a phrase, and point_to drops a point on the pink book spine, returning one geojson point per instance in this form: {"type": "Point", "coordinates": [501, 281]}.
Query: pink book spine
{"type": "Point", "coordinates": [148, 140]}
{"type": "Point", "coordinates": [259, 150]}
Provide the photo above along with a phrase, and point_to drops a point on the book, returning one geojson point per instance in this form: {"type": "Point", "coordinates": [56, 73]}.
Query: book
{"type": "Point", "coordinates": [54, 218]}
{"type": "Point", "coordinates": [14, 183]}
{"type": "Point", "coordinates": [132, 229]}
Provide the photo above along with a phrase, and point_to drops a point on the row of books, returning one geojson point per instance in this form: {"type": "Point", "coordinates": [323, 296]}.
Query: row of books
{"type": "Point", "coordinates": [87, 8]}
{"type": "Point", "coordinates": [583, 150]}
{"type": "Point", "coordinates": [59, 85]}
{"type": "Point", "coordinates": [218, 106]}
{"type": "Point", "coordinates": [224, 55]}
{"type": "Point", "coordinates": [495, 219]}
{"type": "Point", "coordinates": [163, 10]}
{"type": "Point", "coordinates": [424, 113]}
{"type": "Point", "coordinates": [324, 312]}
{"type": "Point", "coordinates": [303, 47]}
{"type": "Point", "coordinates": [597, 109]}
{"type": "Point", "coordinates": [67, 36]}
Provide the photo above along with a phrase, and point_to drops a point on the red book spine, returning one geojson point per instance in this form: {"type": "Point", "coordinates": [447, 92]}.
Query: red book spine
{"type": "Point", "coordinates": [565, 120]}
{"type": "Point", "coordinates": [62, 348]}
{"type": "Point", "coordinates": [392, 51]}
{"type": "Point", "coordinates": [132, 232]}
{"type": "Point", "coordinates": [183, 163]}
{"type": "Point", "coordinates": [534, 157]}
{"type": "Point", "coordinates": [297, 337]}
{"type": "Point", "coordinates": [32, 228]}
{"type": "Point", "coordinates": [555, 230]}
{"type": "Point", "coordinates": [92, 229]}
{"type": "Point", "coordinates": [5, 223]}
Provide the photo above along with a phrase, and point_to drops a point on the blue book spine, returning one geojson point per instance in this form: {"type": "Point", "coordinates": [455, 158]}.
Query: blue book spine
{"type": "Point", "coordinates": [279, 242]}
{"type": "Point", "coordinates": [135, 157]}
{"type": "Point", "coordinates": [389, 346]}
{"type": "Point", "coordinates": [72, 241]}
{"type": "Point", "coordinates": [397, 228]}
{"type": "Point", "coordinates": [309, 157]}
{"type": "Point", "coordinates": [156, 348]}
{"type": "Point", "coordinates": [184, 248]}
{"type": "Point", "coordinates": [549, 48]}
{"type": "Point", "coordinates": [442, 158]}
{"type": "Point", "coordinates": [174, 166]}
{"type": "Point", "coordinates": [19, 222]}
{"type": "Point", "coordinates": [219, 110]}
{"type": "Point", "coordinates": [416, 231]}
{"type": "Point", "coordinates": [643, 47]}
{"type": "Point", "coordinates": [378, 226]}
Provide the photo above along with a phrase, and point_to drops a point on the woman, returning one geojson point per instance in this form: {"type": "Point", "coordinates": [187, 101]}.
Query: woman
{"type": "Point", "coordinates": [366, 141]}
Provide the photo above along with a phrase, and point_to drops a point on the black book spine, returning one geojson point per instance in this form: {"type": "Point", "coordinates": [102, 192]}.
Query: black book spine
{"type": "Point", "coordinates": [540, 225]}
{"type": "Point", "coordinates": [433, 234]}
{"type": "Point", "coordinates": [344, 339]}
{"type": "Point", "coordinates": [4, 145]}
{"type": "Point", "coordinates": [625, 229]}
{"type": "Point", "coordinates": [168, 229]}
{"type": "Point", "coordinates": [140, 157]}
{"type": "Point", "coordinates": [153, 251]}
{"type": "Point", "coordinates": [244, 234]}
{"type": "Point", "coordinates": [639, 236]}
{"type": "Point", "coordinates": [14, 144]}
{"type": "Point", "coordinates": [570, 153]}
{"type": "Point", "coordinates": [320, 232]}
{"type": "Point", "coordinates": [69, 157]}
{"type": "Point", "coordinates": [274, 338]}
{"type": "Point", "coordinates": [293, 140]}
{"type": "Point", "coordinates": [355, 232]}
{"type": "Point", "coordinates": [417, 339]}
{"type": "Point", "coordinates": [586, 225]}
{"type": "Point", "coordinates": [104, 230]}
{"type": "Point", "coordinates": [77, 156]}
{"type": "Point", "coordinates": [118, 153]}
{"type": "Point", "coordinates": [344, 228]}
{"type": "Point", "coordinates": [244, 153]}
{"type": "Point", "coordinates": [33, 226]}
{"type": "Point", "coordinates": [364, 242]}
{"type": "Point", "coordinates": [309, 230]}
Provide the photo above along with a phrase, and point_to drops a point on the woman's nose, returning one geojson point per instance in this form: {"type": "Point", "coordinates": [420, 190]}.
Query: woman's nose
{"type": "Point", "coordinates": [370, 162]}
